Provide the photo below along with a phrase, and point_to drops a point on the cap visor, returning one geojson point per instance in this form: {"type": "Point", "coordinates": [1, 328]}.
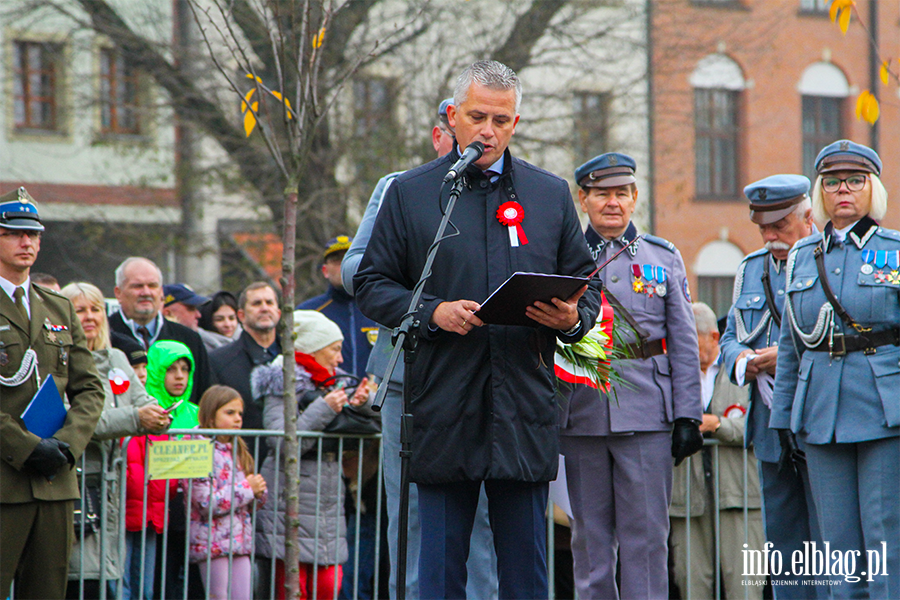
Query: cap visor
{"type": "Point", "coordinates": [606, 182]}
{"type": "Point", "coordinates": [767, 217]}
{"type": "Point", "coordinates": [23, 224]}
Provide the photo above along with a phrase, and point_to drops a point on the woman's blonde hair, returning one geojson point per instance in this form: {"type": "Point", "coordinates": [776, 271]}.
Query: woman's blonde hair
{"type": "Point", "coordinates": [91, 293]}
{"type": "Point", "coordinates": [877, 209]}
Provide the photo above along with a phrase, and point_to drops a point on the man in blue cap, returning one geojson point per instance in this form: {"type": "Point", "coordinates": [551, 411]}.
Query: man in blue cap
{"type": "Point", "coordinates": [40, 335]}
{"type": "Point", "coordinates": [182, 304]}
{"type": "Point", "coordinates": [619, 450]}
{"type": "Point", "coordinates": [780, 207]}
{"type": "Point", "coordinates": [339, 306]}
{"type": "Point", "coordinates": [482, 570]}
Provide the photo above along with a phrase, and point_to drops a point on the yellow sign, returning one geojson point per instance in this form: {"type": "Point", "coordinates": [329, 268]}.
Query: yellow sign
{"type": "Point", "coordinates": [180, 459]}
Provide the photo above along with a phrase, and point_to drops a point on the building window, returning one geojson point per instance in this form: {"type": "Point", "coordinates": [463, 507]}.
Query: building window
{"type": "Point", "coordinates": [715, 266]}
{"type": "Point", "coordinates": [591, 116]}
{"type": "Point", "coordinates": [119, 94]}
{"type": "Point", "coordinates": [36, 76]}
{"type": "Point", "coordinates": [716, 292]}
{"type": "Point", "coordinates": [821, 126]}
{"type": "Point", "coordinates": [815, 6]}
{"type": "Point", "coordinates": [375, 141]}
{"type": "Point", "coordinates": [716, 142]}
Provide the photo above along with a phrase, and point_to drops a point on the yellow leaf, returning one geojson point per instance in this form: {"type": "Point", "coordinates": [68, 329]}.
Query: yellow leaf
{"type": "Point", "coordinates": [317, 41]}
{"type": "Point", "coordinates": [246, 100]}
{"type": "Point", "coordinates": [837, 6]}
{"type": "Point", "coordinates": [884, 72]}
{"type": "Point", "coordinates": [250, 119]}
{"type": "Point", "coordinates": [860, 100]}
{"type": "Point", "coordinates": [287, 102]}
{"type": "Point", "coordinates": [252, 76]}
{"type": "Point", "coordinates": [844, 23]}
{"type": "Point", "coordinates": [871, 110]}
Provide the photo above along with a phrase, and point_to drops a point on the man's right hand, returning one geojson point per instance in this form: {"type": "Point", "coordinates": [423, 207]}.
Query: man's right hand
{"type": "Point", "coordinates": [457, 317]}
{"type": "Point", "coordinates": [48, 457]}
{"type": "Point", "coordinates": [792, 457]}
{"type": "Point", "coordinates": [765, 361]}
{"type": "Point", "coordinates": [153, 417]}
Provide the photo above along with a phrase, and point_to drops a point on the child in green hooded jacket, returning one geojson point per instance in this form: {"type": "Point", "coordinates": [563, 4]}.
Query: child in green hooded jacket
{"type": "Point", "coordinates": [170, 367]}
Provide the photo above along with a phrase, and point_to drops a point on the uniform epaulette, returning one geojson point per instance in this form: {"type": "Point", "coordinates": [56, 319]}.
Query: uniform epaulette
{"type": "Point", "coordinates": [49, 291]}
{"type": "Point", "coordinates": [760, 252]}
{"type": "Point", "coordinates": [891, 234]}
{"type": "Point", "coordinates": [811, 239]}
{"type": "Point", "coordinates": [660, 242]}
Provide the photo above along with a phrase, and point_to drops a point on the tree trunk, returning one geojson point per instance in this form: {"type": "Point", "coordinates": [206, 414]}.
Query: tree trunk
{"type": "Point", "coordinates": [291, 446]}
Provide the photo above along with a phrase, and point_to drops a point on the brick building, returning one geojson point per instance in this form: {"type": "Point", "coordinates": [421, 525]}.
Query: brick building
{"type": "Point", "coordinates": [743, 89]}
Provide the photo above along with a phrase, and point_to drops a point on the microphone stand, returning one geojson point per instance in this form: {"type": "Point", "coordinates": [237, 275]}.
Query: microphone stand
{"type": "Point", "coordinates": [405, 339]}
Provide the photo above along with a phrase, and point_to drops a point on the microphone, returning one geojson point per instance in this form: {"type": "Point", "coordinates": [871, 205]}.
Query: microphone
{"type": "Point", "coordinates": [472, 153]}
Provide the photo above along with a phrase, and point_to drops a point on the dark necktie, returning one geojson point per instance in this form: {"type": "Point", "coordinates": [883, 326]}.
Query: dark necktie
{"type": "Point", "coordinates": [145, 335]}
{"type": "Point", "coordinates": [19, 299]}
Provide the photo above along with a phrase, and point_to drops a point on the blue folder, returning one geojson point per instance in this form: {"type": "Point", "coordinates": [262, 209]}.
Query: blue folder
{"type": "Point", "coordinates": [46, 413]}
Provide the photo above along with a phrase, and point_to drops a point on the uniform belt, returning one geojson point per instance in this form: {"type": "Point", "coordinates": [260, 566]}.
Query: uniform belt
{"type": "Point", "coordinates": [840, 344]}
{"type": "Point", "coordinates": [642, 349]}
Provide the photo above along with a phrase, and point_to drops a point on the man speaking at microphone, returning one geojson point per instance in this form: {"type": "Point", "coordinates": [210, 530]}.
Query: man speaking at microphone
{"type": "Point", "coordinates": [483, 397]}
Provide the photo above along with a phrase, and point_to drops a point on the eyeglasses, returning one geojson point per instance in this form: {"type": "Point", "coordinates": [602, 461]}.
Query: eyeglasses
{"type": "Point", "coordinates": [18, 233]}
{"type": "Point", "coordinates": [854, 183]}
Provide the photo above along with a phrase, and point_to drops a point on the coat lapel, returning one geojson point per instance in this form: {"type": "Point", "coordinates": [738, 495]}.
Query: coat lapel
{"type": "Point", "coordinates": [38, 314]}
{"type": "Point", "coordinates": [9, 310]}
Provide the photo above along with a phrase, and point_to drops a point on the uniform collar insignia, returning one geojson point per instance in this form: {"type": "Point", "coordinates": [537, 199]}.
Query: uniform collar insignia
{"type": "Point", "coordinates": [862, 231]}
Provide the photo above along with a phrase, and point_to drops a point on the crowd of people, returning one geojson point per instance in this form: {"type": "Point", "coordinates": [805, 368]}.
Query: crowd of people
{"type": "Point", "coordinates": [796, 386]}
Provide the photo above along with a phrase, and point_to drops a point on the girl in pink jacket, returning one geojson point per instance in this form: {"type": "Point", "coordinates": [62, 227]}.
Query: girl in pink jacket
{"type": "Point", "coordinates": [220, 521]}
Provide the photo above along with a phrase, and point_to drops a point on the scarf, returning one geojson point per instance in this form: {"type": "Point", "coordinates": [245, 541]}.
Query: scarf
{"type": "Point", "coordinates": [317, 372]}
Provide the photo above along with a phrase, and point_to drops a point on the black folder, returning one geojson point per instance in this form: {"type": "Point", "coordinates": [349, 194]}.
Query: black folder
{"type": "Point", "coordinates": [506, 306]}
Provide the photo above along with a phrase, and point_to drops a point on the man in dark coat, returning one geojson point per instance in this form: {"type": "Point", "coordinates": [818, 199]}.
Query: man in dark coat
{"type": "Point", "coordinates": [40, 335]}
{"type": "Point", "coordinates": [139, 292]}
{"type": "Point", "coordinates": [257, 345]}
{"type": "Point", "coordinates": [483, 396]}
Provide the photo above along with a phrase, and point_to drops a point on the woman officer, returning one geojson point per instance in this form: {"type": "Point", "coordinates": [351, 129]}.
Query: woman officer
{"type": "Point", "coordinates": [838, 373]}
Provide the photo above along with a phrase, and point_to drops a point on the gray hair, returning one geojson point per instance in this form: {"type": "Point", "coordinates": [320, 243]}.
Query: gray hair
{"type": "Point", "coordinates": [877, 209]}
{"type": "Point", "coordinates": [705, 318]}
{"type": "Point", "coordinates": [492, 75]}
{"type": "Point", "coordinates": [120, 270]}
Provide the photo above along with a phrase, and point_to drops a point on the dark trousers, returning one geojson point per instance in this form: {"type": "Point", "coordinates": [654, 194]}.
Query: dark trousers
{"type": "Point", "coordinates": [35, 541]}
{"type": "Point", "coordinates": [517, 515]}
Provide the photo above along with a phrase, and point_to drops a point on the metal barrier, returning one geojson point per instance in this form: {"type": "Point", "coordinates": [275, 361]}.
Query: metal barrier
{"type": "Point", "coordinates": [113, 490]}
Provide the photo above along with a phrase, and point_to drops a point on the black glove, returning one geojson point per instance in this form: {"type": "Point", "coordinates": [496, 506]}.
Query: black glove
{"type": "Point", "coordinates": [686, 439]}
{"type": "Point", "coordinates": [48, 457]}
{"type": "Point", "coordinates": [791, 454]}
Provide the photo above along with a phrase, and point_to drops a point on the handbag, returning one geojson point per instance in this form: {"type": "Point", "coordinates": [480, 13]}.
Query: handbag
{"type": "Point", "coordinates": [87, 512]}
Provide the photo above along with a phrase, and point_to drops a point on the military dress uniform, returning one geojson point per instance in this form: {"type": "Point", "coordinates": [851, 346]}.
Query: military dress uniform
{"type": "Point", "coordinates": [754, 323]}
{"type": "Point", "coordinates": [618, 449]}
{"type": "Point", "coordinates": [837, 381]}
{"type": "Point", "coordinates": [841, 400]}
{"type": "Point", "coordinates": [36, 524]}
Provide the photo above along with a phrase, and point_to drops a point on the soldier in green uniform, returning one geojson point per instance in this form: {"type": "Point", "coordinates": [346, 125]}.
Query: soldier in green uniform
{"type": "Point", "coordinates": [39, 336]}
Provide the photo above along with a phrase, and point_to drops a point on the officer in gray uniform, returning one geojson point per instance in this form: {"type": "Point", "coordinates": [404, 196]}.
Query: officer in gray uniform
{"type": "Point", "coordinates": [838, 375]}
{"type": "Point", "coordinates": [618, 454]}
{"type": "Point", "coordinates": [780, 206]}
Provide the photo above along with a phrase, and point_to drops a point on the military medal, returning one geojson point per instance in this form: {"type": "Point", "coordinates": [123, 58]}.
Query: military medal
{"type": "Point", "coordinates": [866, 269]}
{"type": "Point", "coordinates": [894, 277]}
{"type": "Point", "coordinates": [4, 357]}
{"type": "Point", "coordinates": [51, 336]}
{"type": "Point", "coordinates": [880, 277]}
{"type": "Point", "coordinates": [638, 286]}
{"type": "Point", "coordinates": [511, 214]}
{"type": "Point", "coordinates": [661, 290]}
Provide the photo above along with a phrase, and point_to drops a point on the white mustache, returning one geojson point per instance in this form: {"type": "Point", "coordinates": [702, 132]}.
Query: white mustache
{"type": "Point", "coordinates": [777, 246]}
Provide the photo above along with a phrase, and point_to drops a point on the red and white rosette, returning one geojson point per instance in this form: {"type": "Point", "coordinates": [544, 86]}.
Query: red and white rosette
{"type": "Point", "coordinates": [733, 411]}
{"type": "Point", "coordinates": [118, 381]}
{"type": "Point", "coordinates": [511, 214]}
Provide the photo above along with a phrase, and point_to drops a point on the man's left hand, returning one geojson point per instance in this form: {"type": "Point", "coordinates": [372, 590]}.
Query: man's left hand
{"type": "Point", "coordinates": [686, 439]}
{"type": "Point", "coordinates": [562, 314]}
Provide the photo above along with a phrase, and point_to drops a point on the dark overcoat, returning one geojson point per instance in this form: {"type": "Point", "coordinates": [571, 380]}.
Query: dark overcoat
{"type": "Point", "coordinates": [484, 404]}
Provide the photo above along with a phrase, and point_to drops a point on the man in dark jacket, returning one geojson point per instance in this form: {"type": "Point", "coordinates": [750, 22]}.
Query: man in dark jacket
{"type": "Point", "coordinates": [341, 307]}
{"type": "Point", "coordinates": [140, 295]}
{"type": "Point", "coordinates": [257, 345]}
{"type": "Point", "coordinates": [483, 396]}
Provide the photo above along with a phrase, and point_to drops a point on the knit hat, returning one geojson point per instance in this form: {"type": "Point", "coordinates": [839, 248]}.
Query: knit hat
{"type": "Point", "coordinates": [314, 331]}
